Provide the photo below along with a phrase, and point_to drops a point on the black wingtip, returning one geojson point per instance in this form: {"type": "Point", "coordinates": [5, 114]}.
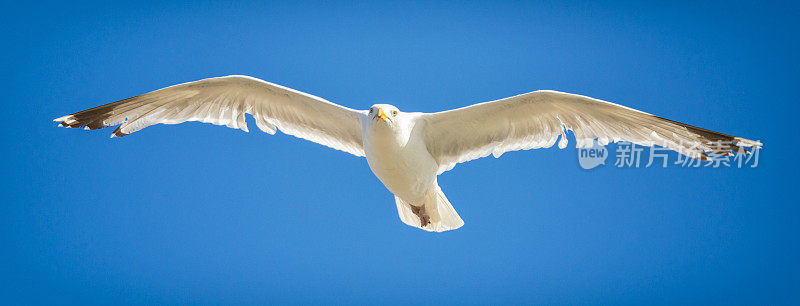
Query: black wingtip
{"type": "Point", "coordinates": [118, 132]}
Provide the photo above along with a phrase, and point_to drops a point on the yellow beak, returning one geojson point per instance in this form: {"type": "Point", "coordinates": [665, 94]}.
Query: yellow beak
{"type": "Point", "coordinates": [381, 114]}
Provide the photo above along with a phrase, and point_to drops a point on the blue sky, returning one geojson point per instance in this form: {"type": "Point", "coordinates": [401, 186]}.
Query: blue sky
{"type": "Point", "coordinates": [197, 213]}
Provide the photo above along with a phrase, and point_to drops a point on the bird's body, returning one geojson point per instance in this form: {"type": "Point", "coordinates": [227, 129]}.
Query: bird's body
{"type": "Point", "coordinates": [400, 161]}
{"type": "Point", "coordinates": [397, 154]}
{"type": "Point", "coordinates": [406, 151]}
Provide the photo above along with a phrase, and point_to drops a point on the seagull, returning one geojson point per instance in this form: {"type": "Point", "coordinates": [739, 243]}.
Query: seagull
{"type": "Point", "coordinates": [408, 150]}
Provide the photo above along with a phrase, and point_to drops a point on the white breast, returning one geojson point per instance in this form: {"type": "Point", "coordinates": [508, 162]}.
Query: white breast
{"type": "Point", "coordinates": [399, 158]}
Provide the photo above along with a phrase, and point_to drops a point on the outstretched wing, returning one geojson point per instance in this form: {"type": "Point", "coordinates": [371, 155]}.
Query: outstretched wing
{"type": "Point", "coordinates": [536, 119]}
{"type": "Point", "coordinates": [225, 101]}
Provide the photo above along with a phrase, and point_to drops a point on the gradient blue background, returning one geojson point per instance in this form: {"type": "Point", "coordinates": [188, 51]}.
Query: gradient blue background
{"type": "Point", "coordinates": [197, 213]}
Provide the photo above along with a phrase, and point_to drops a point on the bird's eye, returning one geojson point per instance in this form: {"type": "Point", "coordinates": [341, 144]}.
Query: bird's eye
{"type": "Point", "coordinates": [370, 110]}
{"type": "Point", "coordinates": [394, 113]}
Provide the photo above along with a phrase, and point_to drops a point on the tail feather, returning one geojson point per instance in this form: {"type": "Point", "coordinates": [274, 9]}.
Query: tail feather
{"type": "Point", "coordinates": [443, 217]}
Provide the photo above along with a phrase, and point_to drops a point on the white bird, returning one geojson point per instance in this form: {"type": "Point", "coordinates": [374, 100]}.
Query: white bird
{"type": "Point", "coordinates": [407, 151]}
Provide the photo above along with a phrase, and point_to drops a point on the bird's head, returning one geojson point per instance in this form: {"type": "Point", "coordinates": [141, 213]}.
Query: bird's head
{"type": "Point", "coordinates": [383, 112]}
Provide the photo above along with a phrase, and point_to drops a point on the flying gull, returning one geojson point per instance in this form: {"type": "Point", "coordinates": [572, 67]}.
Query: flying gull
{"type": "Point", "coordinates": [408, 150]}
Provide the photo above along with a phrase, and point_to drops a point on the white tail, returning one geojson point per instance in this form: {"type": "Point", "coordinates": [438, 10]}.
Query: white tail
{"type": "Point", "coordinates": [441, 213]}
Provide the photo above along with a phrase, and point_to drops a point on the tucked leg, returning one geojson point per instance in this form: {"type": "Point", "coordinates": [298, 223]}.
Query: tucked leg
{"type": "Point", "coordinates": [420, 211]}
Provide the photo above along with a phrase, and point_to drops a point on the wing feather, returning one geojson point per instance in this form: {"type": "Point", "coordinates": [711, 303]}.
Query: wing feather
{"type": "Point", "coordinates": [226, 101]}
{"type": "Point", "coordinates": [540, 119]}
